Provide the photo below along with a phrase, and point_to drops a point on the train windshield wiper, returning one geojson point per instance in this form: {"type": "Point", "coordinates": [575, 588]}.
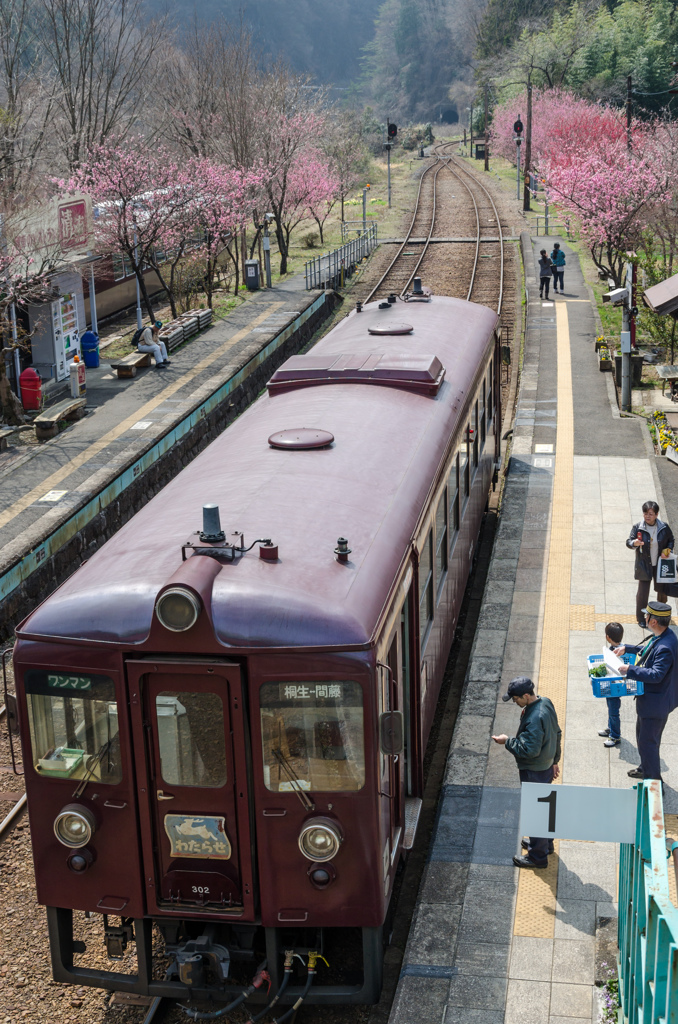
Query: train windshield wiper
{"type": "Point", "coordinates": [294, 779]}
{"type": "Point", "coordinates": [94, 761]}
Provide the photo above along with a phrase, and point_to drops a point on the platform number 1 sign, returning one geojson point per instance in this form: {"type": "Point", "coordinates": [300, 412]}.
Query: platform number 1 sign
{"type": "Point", "coordinates": [551, 801]}
{"type": "Point", "coordinates": [578, 812]}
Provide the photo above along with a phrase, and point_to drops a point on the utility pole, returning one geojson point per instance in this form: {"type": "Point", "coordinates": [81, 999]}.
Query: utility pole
{"type": "Point", "coordinates": [487, 151]}
{"type": "Point", "coordinates": [628, 113]}
{"type": "Point", "coordinates": [528, 147]}
{"type": "Point", "coordinates": [470, 128]}
{"type": "Point", "coordinates": [136, 276]}
{"type": "Point", "coordinates": [267, 249]}
{"type": "Point", "coordinates": [388, 164]}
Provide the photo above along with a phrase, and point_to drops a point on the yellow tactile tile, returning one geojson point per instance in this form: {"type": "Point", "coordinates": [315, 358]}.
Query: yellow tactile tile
{"type": "Point", "coordinates": [584, 617]}
{"type": "Point", "coordinates": [671, 829]}
{"type": "Point", "coordinates": [536, 902]}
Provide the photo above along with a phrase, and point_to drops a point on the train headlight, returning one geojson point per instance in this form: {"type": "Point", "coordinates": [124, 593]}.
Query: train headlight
{"type": "Point", "coordinates": [320, 840]}
{"type": "Point", "coordinates": [178, 609]}
{"type": "Point", "coordinates": [74, 826]}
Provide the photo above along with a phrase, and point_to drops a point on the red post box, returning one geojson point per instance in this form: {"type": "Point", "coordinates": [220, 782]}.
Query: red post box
{"type": "Point", "coordinates": [31, 389]}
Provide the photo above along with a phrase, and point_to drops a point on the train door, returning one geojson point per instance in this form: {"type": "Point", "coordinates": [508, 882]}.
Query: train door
{"type": "Point", "coordinates": [190, 735]}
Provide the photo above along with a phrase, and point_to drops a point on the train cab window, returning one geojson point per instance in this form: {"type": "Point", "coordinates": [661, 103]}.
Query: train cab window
{"type": "Point", "coordinates": [312, 736]}
{"type": "Point", "coordinates": [476, 442]}
{"type": "Point", "coordinates": [454, 517]}
{"type": "Point", "coordinates": [73, 720]}
{"type": "Point", "coordinates": [191, 738]}
{"type": "Point", "coordinates": [425, 587]}
{"type": "Point", "coordinates": [441, 541]}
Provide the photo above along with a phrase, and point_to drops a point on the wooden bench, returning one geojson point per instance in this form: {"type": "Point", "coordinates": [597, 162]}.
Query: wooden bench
{"type": "Point", "coordinates": [5, 432]}
{"type": "Point", "coordinates": [47, 423]}
{"type": "Point", "coordinates": [128, 365]}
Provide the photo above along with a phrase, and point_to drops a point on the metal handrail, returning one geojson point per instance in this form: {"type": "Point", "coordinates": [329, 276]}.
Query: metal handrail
{"type": "Point", "coordinates": [329, 269]}
{"type": "Point", "coordinates": [648, 920]}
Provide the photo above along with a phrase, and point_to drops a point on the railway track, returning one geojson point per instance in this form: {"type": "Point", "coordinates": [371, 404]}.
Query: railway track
{"type": "Point", "coordinates": [415, 252]}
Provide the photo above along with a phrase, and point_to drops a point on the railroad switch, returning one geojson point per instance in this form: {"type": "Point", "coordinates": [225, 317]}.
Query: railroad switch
{"type": "Point", "coordinates": [116, 937]}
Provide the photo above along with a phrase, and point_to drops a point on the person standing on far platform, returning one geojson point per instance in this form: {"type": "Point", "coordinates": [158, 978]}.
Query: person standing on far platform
{"type": "Point", "coordinates": [558, 268]}
{"type": "Point", "coordinates": [537, 749]}
{"type": "Point", "coordinates": [614, 634]}
{"type": "Point", "coordinates": [657, 667]}
{"type": "Point", "coordinates": [544, 275]}
{"type": "Point", "coordinates": [649, 536]}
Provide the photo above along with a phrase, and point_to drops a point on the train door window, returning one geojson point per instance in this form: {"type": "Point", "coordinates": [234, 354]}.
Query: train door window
{"type": "Point", "coordinates": [483, 424]}
{"type": "Point", "coordinates": [490, 395]}
{"type": "Point", "coordinates": [191, 738]}
{"type": "Point", "coordinates": [312, 736]}
{"type": "Point", "coordinates": [441, 541]}
{"type": "Point", "coordinates": [475, 437]}
{"type": "Point", "coordinates": [464, 469]}
{"type": "Point", "coordinates": [425, 588]}
{"type": "Point", "coordinates": [405, 659]}
{"type": "Point", "coordinates": [454, 516]}
{"type": "Point", "coordinates": [73, 721]}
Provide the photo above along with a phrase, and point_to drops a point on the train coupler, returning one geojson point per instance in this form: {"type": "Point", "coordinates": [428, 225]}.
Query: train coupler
{"type": "Point", "coordinates": [116, 937]}
{"type": "Point", "coordinates": [191, 960]}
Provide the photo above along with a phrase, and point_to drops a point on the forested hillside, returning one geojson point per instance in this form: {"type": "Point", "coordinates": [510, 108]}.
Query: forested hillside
{"type": "Point", "coordinates": [321, 38]}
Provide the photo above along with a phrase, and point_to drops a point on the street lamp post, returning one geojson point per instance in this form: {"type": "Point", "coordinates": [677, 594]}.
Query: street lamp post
{"type": "Point", "coordinates": [136, 276]}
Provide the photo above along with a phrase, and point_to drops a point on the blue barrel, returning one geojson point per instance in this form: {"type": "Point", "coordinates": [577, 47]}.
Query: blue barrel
{"type": "Point", "coordinates": [89, 343]}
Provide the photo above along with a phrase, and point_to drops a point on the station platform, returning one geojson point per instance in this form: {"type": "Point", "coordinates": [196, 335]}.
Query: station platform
{"type": "Point", "coordinates": [491, 943]}
{"type": "Point", "coordinates": [60, 498]}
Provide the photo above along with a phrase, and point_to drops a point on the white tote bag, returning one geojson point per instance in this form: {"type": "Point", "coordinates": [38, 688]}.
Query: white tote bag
{"type": "Point", "coordinates": [666, 569]}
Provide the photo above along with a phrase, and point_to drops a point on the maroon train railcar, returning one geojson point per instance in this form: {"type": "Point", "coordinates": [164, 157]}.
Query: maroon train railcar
{"type": "Point", "coordinates": [221, 737]}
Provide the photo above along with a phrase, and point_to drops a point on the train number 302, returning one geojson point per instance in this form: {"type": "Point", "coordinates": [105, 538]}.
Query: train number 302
{"type": "Point", "coordinates": [203, 890]}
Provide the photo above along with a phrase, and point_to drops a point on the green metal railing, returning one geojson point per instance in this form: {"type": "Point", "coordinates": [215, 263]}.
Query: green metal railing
{"type": "Point", "coordinates": [648, 920]}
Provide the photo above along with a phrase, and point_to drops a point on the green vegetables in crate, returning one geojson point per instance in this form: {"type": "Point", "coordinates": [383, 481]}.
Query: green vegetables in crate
{"type": "Point", "coordinates": [599, 670]}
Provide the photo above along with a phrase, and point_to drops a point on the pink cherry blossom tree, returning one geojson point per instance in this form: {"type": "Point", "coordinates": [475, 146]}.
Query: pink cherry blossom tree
{"type": "Point", "coordinates": [325, 188]}
{"type": "Point", "coordinates": [24, 280]}
{"type": "Point", "coordinates": [309, 187]}
{"type": "Point", "coordinates": [143, 199]}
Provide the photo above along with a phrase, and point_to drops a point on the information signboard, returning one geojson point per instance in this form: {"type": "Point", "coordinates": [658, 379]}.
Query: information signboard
{"type": "Point", "coordinates": [594, 813]}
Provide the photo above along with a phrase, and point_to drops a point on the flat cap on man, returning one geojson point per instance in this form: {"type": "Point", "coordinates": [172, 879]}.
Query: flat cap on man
{"type": "Point", "coordinates": [518, 687]}
{"type": "Point", "coordinates": [658, 610]}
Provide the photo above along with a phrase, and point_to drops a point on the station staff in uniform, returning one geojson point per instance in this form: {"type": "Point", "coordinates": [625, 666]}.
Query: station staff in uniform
{"type": "Point", "coordinates": [657, 667]}
{"type": "Point", "coordinates": [537, 749]}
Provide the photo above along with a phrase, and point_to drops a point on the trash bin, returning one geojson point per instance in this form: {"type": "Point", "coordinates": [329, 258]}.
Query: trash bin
{"type": "Point", "coordinates": [77, 378]}
{"type": "Point", "coordinates": [252, 275]}
{"type": "Point", "coordinates": [30, 384]}
{"type": "Point", "coordinates": [89, 343]}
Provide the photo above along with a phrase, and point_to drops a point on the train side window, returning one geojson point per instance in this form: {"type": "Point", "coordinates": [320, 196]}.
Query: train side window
{"type": "Point", "coordinates": [490, 393]}
{"type": "Point", "coordinates": [191, 738]}
{"type": "Point", "coordinates": [475, 437]}
{"type": "Point", "coordinates": [441, 541]}
{"type": "Point", "coordinates": [73, 721]}
{"type": "Point", "coordinates": [483, 424]}
{"type": "Point", "coordinates": [425, 587]}
{"type": "Point", "coordinates": [454, 517]}
{"type": "Point", "coordinates": [312, 736]}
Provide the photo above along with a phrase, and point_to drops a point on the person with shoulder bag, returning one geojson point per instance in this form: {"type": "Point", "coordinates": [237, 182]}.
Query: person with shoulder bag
{"type": "Point", "coordinates": [558, 261]}
{"type": "Point", "coordinates": [649, 537]}
{"type": "Point", "coordinates": [147, 339]}
{"type": "Point", "coordinates": [544, 274]}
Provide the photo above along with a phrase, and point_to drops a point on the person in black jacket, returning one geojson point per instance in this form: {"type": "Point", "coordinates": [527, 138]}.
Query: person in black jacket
{"type": "Point", "coordinates": [657, 667]}
{"type": "Point", "coordinates": [649, 537]}
{"type": "Point", "coordinates": [537, 749]}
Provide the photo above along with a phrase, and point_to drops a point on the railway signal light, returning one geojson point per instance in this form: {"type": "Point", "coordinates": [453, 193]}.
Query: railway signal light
{"type": "Point", "coordinates": [392, 130]}
{"type": "Point", "coordinates": [518, 131]}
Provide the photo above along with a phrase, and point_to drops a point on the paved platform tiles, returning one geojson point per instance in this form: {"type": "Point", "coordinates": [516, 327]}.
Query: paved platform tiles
{"type": "Point", "coordinates": [43, 486]}
{"type": "Point", "coordinates": [491, 943]}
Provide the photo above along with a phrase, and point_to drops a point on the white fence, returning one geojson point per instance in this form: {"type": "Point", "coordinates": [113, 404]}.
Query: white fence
{"type": "Point", "coordinates": [330, 270]}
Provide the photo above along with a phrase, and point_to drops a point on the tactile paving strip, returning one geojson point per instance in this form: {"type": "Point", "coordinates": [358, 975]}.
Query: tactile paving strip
{"type": "Point", "coordinates": [584, 617]}
{"type": "Point", "coordinates": [536, 903]}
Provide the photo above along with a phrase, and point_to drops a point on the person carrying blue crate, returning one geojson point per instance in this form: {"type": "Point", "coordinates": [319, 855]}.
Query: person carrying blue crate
{"type": "Point", "coordinates": [657, 667]}
{"type": "Point", "coordinates": [614, 634]}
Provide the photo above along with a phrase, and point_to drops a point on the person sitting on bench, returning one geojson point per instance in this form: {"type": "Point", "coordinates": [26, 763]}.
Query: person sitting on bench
{"type": "Point", "coordinates": [150, 342]}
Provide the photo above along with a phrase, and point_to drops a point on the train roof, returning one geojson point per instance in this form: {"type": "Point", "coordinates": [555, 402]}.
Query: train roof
{"type": "Point", "coordinates": [369, 486]}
